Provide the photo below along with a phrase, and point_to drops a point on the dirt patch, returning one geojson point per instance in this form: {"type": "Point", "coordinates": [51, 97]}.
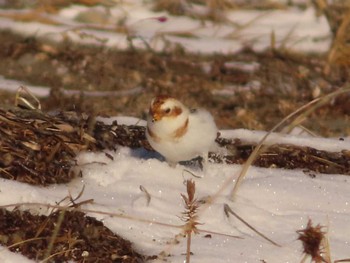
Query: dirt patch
{"type": "Point", "coordinates": [103, 81]}
{"type": "Point", "coordinates": [310, 160]}
{"type": "Point", "coordinates": [39, 149]}
{"type": "Point", "coordinates": [80, 238]}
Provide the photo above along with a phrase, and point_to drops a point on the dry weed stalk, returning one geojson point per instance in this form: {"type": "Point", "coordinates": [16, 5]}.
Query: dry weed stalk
{"type": "Point", "coordinates": [54, 234]}
{"type": "Point", "coordinates": [337, 14]}
{"type": "Point", "coordinates": [228, 211]}
{"type": "Point", "coordinates": [190, 215]}
{"type": "Point", "coordinates": [314, 243]}
{"type": "Point", "coordinates": [300, 114]}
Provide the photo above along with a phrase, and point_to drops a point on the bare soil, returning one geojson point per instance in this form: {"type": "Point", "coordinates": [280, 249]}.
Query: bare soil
{"type": "Point", "coordinates": [79, 238]}
{"type": "Point", "coordinates": [288, 81]}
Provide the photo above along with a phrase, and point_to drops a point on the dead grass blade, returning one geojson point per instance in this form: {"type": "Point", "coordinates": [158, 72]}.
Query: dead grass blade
{"type": "Point", "coordinates": [55, 254]}
{"type": "Point", "coordinates": [55, 233]}
{"type": "Point", "coordinates": [301, 114]}
{"type": "Point", "coordinates": [228, 211]}
{"type": "Point", "coordinates": [19, 98]}
{"type": "Point", "coordinates": [24, 241]}
{"type": "Point", "coordinates": [239, 28]}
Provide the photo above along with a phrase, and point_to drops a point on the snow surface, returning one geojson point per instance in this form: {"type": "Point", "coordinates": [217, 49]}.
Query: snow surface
{"type": "Point", "coordinates": [293, 28]}
{"type": "Point", "coordinates": [275, 201]}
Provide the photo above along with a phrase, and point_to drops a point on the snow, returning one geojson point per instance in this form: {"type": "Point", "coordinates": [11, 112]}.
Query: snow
{"type": "Point", "coordinates": [275, 201]}
{"type": "Point", "coordinates": [297, 29]}
{"type": "Point", "coordinates": [331, 144]}
{"type": "Point", "coordinates": [41, 91]}
{"type": "Point", "coordinates": [13, 86]}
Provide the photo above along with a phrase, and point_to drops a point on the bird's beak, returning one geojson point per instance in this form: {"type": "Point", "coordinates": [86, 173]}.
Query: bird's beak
{"type": "Point", "coordinates": [155, 116]}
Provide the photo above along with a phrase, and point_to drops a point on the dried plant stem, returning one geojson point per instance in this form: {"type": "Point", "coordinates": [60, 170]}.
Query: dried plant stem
{"type": "Point", "coordinates": [188, 249]}
{"type": "Point", "coordinates": [190, 215]}
{"type": "Point", "coordinates": [322, 101]}
{"type": "Point", "coordinates": [228, 211]}
{"type": "Point", "coordinates": [24, 241]}
{"type": "Point", "coordinates": [53, 255]}
{"type": "Point", "coordinates": [305, 111]}
{"type": "Point", "coordinates": [304, 258]}
{"type": "Point", "coordinates": [255, 153]}
{"type": "Point", "coordinates": [55, 233]}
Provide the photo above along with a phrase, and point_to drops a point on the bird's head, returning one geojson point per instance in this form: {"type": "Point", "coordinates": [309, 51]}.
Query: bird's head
{"type": "Point", "coordinates": [166, 108]}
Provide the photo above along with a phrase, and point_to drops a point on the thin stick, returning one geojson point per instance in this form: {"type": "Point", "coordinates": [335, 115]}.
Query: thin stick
{"type": "Point", "coordinates": [228, 211]}
{"type": "Point", "coordinates": [254, 154]}
{"type": "Point", "coordinates": [57, 253]}
{"type": "Point", "coordinates": [24, 241]}
{"type": "Point", "coordinates": [314, 104]}
{"type": "Point", "coordinates": [188, 250]}
{"type": "Point", "coordinates": [55, 233]}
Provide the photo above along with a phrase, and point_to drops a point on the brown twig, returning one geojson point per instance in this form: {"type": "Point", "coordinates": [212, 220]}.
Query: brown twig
{"type": "Point", "coordinates": [228, 211]}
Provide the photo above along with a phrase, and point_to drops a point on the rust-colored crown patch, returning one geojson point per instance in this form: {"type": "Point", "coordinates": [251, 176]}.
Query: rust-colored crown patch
{"type": "Point", "coordinates": [158, 113]}
{"type": "Point", "coordinates": [159, 101]}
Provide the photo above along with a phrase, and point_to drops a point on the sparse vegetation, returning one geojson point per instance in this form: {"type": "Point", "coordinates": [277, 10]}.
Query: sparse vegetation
{"type": "Point", "coordinates": [94, 81]}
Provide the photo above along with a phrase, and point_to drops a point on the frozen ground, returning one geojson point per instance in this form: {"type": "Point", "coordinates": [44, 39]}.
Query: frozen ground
{"type": "Point", "coordinates": [275, 201]}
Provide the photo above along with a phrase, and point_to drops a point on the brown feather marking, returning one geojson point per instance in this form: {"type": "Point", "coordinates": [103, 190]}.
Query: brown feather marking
{"type": "Point", "coordinates": [175, 112]}
{"type": "Point", "coordinates": [155, 108]}
{"type": "Point", "coordinates": [158, 113]}
{"type": "Point", "coordinates": [178, 133]}
{"type": "Point", "coordinates": [158, 102]}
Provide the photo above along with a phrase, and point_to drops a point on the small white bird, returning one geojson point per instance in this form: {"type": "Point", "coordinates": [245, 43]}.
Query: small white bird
{"type": "Point", "coordinates": [178, 133]}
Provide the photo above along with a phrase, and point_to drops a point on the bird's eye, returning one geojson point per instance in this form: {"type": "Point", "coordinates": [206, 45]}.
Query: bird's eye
{"type": "Point", "coordinates": [167, 110]}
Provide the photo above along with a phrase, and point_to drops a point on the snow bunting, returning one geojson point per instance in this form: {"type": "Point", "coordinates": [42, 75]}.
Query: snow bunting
{"type": "Point", "coordinates": [178, 133]}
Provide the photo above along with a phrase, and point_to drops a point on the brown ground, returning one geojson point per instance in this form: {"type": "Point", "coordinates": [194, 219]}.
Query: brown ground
{"type": "Point", "coordinates": [288, 81]}
{"type": "Point", "coordinates": [80, 238]}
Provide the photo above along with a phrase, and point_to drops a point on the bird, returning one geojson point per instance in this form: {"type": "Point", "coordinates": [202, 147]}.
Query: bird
{"type": "Point", "coordinates": [179, 133]}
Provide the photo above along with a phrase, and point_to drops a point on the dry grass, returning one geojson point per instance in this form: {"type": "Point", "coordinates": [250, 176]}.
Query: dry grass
{"type": "Point", "coordinates": [312, 238]}
{"type": "Point", "coordinates": [338, 17]}
{"type": "Point", "coordinates": [300, 115]}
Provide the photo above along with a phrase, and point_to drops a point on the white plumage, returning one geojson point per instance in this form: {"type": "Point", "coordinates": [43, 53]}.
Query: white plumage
{"type": "Point", "coordinates": [177, 133]}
